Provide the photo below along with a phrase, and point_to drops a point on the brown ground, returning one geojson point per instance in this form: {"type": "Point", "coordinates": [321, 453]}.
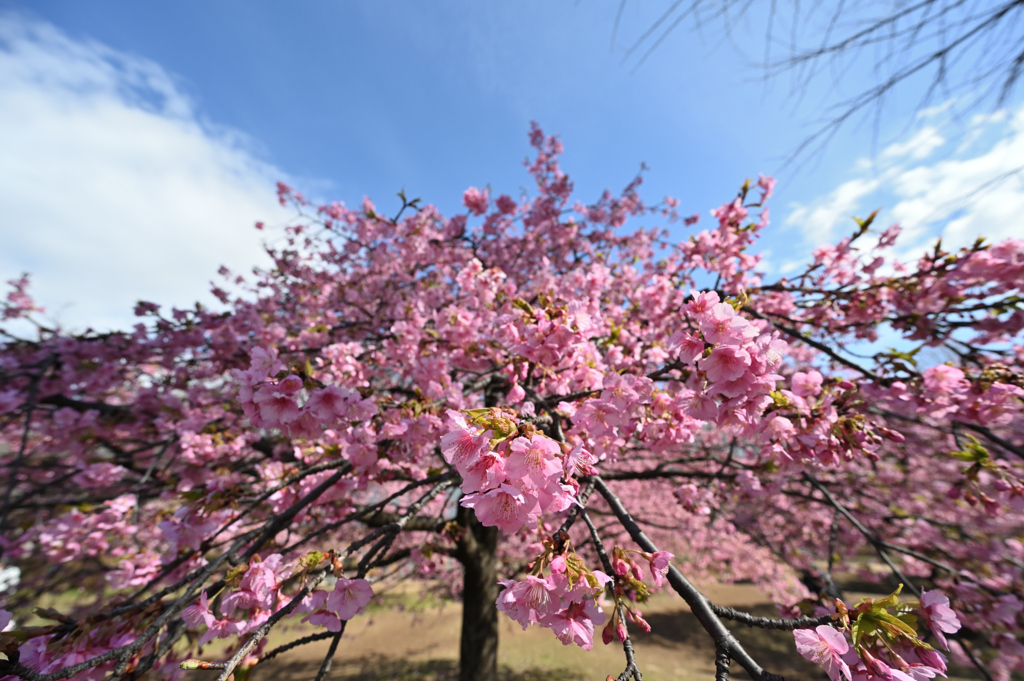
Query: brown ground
{"type": "Point", "coordinates": [388, 644]}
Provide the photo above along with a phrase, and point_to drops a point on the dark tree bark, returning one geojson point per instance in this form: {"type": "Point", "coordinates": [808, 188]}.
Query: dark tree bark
{"type": "Point", "coordinates": [477, 550]}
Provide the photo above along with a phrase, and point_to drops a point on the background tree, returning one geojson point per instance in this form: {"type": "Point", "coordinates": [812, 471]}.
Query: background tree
{"type": "Point", "coordinates": [964, 54]}
{"type": "Point", "coordinates": [527, 391]}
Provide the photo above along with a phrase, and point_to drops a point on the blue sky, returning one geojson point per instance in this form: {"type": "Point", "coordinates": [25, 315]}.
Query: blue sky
{"type": "Point", "coordinates": [140, 141]}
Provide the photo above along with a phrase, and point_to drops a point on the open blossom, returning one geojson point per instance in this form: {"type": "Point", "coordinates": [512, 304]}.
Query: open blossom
{"type": "Point", "coordinates": [702, 302]}
{"type": "Point", "coordinates": [349, 598]}
{"type": "Point", "coordinates": [944, 379]}
{"type": "Point", "coordinates": [529, 600]}
{"type": "Point", "coordinates": [579, 461]}
{"type": "Point", "coordinates": [807, 384]}
{"type": "Point", "coordinates": [475, 200]}
{"type": "Point", "coordinates": [329, 404]}
{"type": "Point", "coordinates": [725, 363]}
{"type": "Point", "coordinates": [689, 346]}
{"type": "Point", "coordinates": [538, 459]}
{"type": "Point", "coordinates": [198, 614]}
{"type": "Point", "coordinates": [276, 405]}
{"type": "Point", "coordinates": [461, 445]}
{"type": "Point", "coordinates": [576, 623]}
{"type": "Point", "coordinates": [506, 507]}
{"type": "Point", "coordinates": [939, 617]}
{"type": "Point", "coordinates": [660, 561]}
{"type": "Point", "coordinates": [485, 472]}
{"type": "Point", "coordinates": [264, 363]}
{"type": "Point", "coordinates": [721, 324]}
{"type": "Point", "coordinates": [824, 646]}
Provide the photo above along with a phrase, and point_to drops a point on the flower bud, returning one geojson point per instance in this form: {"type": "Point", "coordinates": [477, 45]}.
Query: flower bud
{"type": "Point", "coordinates": [608, 633]}
{"type": "Point", "coordinates": [640, 621]}
{"type": "Point", "coordinates": [875, 666]}
{"type": "Point", "coordinates": [932, 658]}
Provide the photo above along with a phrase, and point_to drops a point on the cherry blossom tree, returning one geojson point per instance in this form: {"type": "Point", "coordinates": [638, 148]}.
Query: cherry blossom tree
{"type": "Point", "coordinates": [555, 409]}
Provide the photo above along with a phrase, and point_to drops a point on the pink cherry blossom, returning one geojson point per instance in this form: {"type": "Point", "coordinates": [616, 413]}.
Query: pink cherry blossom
{"type": "Point", "coordinates": [575, 624]}
{"type": "Point", "coordinates": [939, 617]}
{"type": "Point", "coordinates": [505, 507]}
{"type": "Point", "coordinates": [825, 646]}
{"type": "Point", "coordinates": [528, 601]}
{"type": "Point", "coordinates": [807, 383]}
{"type": "Point", "coordinates": [538, 459]}
{"type": "Point", "coordinates": [475, 200]}
{"type": "Point", "coordinates": [725, 363]}
{"type": "Point", "coordinates": [195, 615]}
{"type": "Point", "coordinates": [349, 597]}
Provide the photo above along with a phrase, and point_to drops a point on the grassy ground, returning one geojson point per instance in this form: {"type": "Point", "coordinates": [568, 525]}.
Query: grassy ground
{"type": "Point", "coordinates": [423, 644]}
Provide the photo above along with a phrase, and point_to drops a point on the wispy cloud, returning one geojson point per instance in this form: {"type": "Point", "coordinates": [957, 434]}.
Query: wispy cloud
{"type": "Point", "coordinates": [113, 187]}
{"type": "Point", "coordinates": [934, 184]}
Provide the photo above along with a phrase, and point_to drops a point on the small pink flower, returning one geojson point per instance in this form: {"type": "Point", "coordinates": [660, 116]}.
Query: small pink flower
{"type": "Point", "coordinates": [538, 459]}
{"type": "Point", "coordinates": [475, 200]}
{"type": "Point", "coordinates": [324, 618]}
{"type": "Point", "coordinates": [807, 384]}
{"type": "Point", "coordinates": [463, 443]}
{"type": "Point", "coordinates": [579, 461]}
{"type": "Point", "coordinates": [328, 404]}
{"type": "Point", "coordinates": [575, 624]}
{"type": "Point", "coordinates": [529, 600]}
{"type": "Point", "coordinates": [725, 363]}
{"type": "Point", "coordinates": [276, 406]}
{"type": "Point", "coordinates": [349, 597]}
{"type": "Point", "coordinates": [264, 363]}
{"type": "Point", "coordinates": [689, 346]}
{"type": "Point", "coordinates": [722, 325]}
{"type": "Point", "coordinates": [485, 472]}
{"type": "Point", "coordinates": [195, 615]}
{"type": "Point", "coordinates": [506, 507]}
{"type": "Point", "coordinates": [824, 646]}
{"type": "Point", "coordinates": [939, 616]}
{"type": "Point", "coordinates": [660, 560]}
{"type": "Point", "coordinates": [944, 379]}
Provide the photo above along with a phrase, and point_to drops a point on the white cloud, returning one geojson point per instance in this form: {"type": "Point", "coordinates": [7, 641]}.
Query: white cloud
{"type": "Point", "coordinates": [111, 187]}
{"type": "Point", "coordinates": [922, 145]}
{"type": "Point", "coordinates": [820, 220]}
{"type": "Point", "coordinates": [959, 189]}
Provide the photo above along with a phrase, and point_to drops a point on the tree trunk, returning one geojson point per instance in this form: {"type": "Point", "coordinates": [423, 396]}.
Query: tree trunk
{"type": "Point", "coordinates": [477, 550]}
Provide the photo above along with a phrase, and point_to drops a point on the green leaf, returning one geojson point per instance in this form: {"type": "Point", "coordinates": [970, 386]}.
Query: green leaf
{"type": "Point", "coordinates": [890, 601]}
{"type": "Point", "coordinates": [974, 452]}
{"type": "Point", "coordinates": [866, 222]}
{"type": "Point", "coordinates": [864, 626]}
{"type": "Point", "coordinates": [896, 622]}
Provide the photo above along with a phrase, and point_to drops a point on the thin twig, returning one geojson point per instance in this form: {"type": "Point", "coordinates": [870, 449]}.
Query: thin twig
{"type": "Point", "coordinates": [699, 605]}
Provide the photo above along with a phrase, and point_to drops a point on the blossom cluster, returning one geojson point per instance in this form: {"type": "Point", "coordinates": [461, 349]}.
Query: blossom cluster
{"type": "Point", "coordinates": [257, 594]}
{"type": "Point", "coordinates": [885, 644]}
{"type": "Point", "coordinates": [565, 605]}
{"type": "Point", "coordinates": [509, 481]}
{"type": "Point", "coordinates": [287, 403]}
